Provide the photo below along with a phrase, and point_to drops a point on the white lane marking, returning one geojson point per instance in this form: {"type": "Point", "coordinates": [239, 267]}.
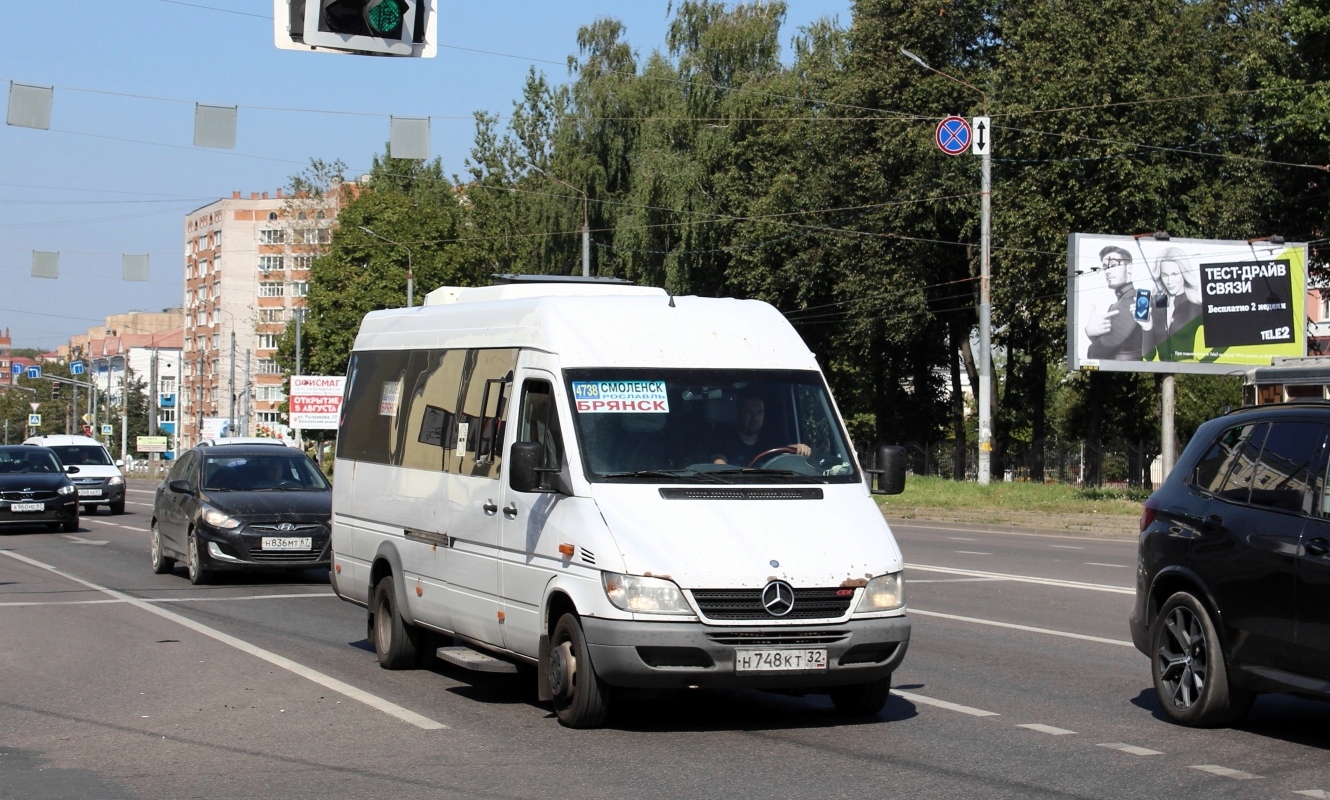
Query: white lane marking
{"type": "Point", "coordinates": [961, 539]}
{"type": "Point", "coordinates": [80, 540]}
{"type": "Point", "coordinates": [126, 527]}
{"type": "Point", "coordinates": [168, 599]}
{"type": "Point", "coordinates": [1027, 628]}
{"type": "Point", "coordinates": [327, 681]}
{"type": "Point", "coordinates": [1314, 793]}
{"type": "Point", "coordinates": [145, 505]}
{"type": "Point", "coordinates": [954, 580]}
{"type": "Point", "coordinates": [1048, 729]}
{"type": "Point", "coordinates": [1115, 566]}
{"type": "Point", "coordinates": [971, 553]}
{"type": "Point", "coordinates": [142, 491]}
{"type": "Point", "coordinates": [1093, 587]}
{"type": "Point", "coordinates": [1131, 749]}
{"type": "Point", "coordinates": [1067, 547]}
{"type": "Point", "coordinates": [905, 523]}
{"type": "Point", "coordinates": [933, 701]}
{"type": "Point", "coordinates": [1225, 772]}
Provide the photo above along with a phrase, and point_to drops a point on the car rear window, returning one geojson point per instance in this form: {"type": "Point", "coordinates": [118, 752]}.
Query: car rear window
{"type": "Point", "coordinates": [1214, 467]}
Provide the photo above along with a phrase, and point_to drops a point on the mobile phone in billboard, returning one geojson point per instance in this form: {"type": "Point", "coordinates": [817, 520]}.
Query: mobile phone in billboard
{"type": "Point", "coordinates": [1142, 310]}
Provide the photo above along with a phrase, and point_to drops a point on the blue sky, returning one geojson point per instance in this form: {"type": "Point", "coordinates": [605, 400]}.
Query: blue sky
{"type": "Point", "coordinates": [116, 173]}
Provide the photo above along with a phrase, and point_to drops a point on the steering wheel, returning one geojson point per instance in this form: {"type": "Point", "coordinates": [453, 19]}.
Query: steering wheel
{"type": "Point", "coordinates": [288, 484]}
{"type": "Point", "coordinates": [775, 451]}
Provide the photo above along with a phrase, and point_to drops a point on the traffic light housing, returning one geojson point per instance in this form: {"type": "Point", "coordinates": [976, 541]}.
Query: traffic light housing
{"type": "Point", "coordinates": [55, 390]}
{"type": "Point", "coordinates": [405, 28]}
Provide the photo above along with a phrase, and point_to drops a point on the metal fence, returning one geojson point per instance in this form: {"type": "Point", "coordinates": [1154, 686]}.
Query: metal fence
{"type": "Point", "coordinates": [1116, 463]}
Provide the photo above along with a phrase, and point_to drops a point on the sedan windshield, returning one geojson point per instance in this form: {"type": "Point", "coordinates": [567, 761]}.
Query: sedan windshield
{"type": "Point", "coordinates": [708, 426]}
{"type": "Point", "coordinates": [28, 460]}
{"type": "Point", "coordinates": [82, 455]}
{"type": "Point", "coordinates": [262, 473]}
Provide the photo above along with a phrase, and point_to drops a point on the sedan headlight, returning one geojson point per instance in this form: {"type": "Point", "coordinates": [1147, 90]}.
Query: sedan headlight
{"type": "Point", "coordinates": [883, 593]}
{"type": "Point", "coordinates": [644, 595]}
{"type": "Point", "coordinates": [114, 480]}
{"type": "Point", "coordinates": [66, 489]}
{"type": "Point", "coordinates": [217, 519]}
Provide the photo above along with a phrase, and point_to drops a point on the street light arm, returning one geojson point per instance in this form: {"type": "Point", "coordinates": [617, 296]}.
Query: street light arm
{"type": "Point", "coordinates": [916, 59]}
{"type": "Point", "coordinates": [410, 274]}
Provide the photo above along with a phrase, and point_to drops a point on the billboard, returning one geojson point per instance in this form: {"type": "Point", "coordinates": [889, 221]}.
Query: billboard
{"type": "Point", "coordinates": [151, 444]}
{"type": "Point", "coordinates": [1183, 305]}
{"type": "Point", "coordinates": [316, 401]}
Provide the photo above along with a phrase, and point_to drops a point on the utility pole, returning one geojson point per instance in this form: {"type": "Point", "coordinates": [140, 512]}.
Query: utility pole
{"type": "Point", "coordinates": [152, 396]}
{"type": "Point", "coordinates": [244, 429]}
{"type": "Point", "coordinates": [231, 419]}
{"type": "Point", "coordinates": [1167, 435]}
{"type": "Point", "coordinates": [300, 317]}
{"type": "Point", "coordinates": [124, 405]}
{"type": "Point", "coordinates": [586, 220]}
{"type": "Point", "coordinates": [410, 276]}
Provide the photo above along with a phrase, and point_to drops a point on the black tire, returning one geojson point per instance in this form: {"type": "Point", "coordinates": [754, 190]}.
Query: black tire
{"type": "Point", "coordinates": [90, 509]}
{"type": "Point", "coordinates": [72, 524]}
{"type": "Point", "coordinates": [861, 699]}
{"type": "Point", "coordinates": [53, 526]}
{"type": "Point", "coordinates": [397, 644]}
{"type": "Point", "coordinates": [161, 565]}
{"type": "Point", "coordinates": [581, 698]}
{"type": "Point", "coordinates": [198, 571]}
{"type": "Point", "coordinates": [118, 507]}
{"type": "Point", "coordinates": [1187, 664]}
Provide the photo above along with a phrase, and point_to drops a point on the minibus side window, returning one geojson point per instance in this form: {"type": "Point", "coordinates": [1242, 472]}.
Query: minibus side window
{"type": "Point", "coordinates": [487, 377]}
{"type": "Point", "coordinates": [431, 429]}
{"type": "Point", "coordinates": [538, 421]}
{"type": "Point", "coordinates": [372, 404]}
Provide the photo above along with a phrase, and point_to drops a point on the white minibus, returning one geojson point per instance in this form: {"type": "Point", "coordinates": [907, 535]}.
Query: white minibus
{"type": "Point", "coordinates": [623, 489]}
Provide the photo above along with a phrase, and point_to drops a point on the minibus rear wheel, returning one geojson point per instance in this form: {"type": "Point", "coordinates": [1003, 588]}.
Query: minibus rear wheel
{"type": "Point", "coordinates": [861, 699]}
{"type": "Point", "coordinates": [581, 699]}
{"type": "Point", "coordinates": [395, 642]}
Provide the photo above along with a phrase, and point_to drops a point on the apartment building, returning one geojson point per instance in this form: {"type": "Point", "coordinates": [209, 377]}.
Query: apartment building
{"type": "Point", "coordinates": [153, 358]}
{"type": "Point", "coordinates": [247, 266]}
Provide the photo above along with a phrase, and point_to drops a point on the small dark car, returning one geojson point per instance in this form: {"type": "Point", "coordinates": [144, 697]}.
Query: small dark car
{"type": "Point", "coordinates": [35, 489]}
{"type": "Point", "coordinates": [249, 507]}
{"type": "Point", "coordinates": [1233, 571]}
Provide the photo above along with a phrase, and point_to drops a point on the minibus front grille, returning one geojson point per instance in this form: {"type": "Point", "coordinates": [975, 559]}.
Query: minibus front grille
{"type": "Point", "coordinates": [732, 604]}
{"type": "Point", "coordinates": [740, 493]}
{"type": "Point", "coordinates": [779, 638]}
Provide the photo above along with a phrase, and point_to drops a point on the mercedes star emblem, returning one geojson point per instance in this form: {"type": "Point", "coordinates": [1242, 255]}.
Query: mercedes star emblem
{"type": "Point", "coordinates": [778, 598]}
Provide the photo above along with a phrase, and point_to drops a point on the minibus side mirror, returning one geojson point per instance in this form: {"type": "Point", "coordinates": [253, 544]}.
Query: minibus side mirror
{"type": "Point", "coordinates": [524, 467]}
{"type": "Point", "coordinates": [890, 472]}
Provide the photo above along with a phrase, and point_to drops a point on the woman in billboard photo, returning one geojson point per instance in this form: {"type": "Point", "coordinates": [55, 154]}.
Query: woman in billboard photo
{"type": "Point", "coordinates": [1170, 331]}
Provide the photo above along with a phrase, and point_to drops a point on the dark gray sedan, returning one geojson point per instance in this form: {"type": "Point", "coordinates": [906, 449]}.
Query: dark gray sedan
{"type": "Point", "coordinates": [35, 489]}
{"type": "Point", "coordinates": [249, 507]}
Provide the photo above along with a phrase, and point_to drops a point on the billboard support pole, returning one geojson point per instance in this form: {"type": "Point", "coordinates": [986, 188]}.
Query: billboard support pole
{"type": "Point", "coordinates": [1167, 436]}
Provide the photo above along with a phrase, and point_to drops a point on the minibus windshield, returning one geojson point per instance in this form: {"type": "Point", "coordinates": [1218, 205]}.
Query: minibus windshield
{"type": "Point", "coordinates": [708, 426]}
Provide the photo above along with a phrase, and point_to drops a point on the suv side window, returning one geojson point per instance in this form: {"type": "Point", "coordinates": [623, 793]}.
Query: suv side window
{"type": "Point", "coordinates": [1214, 466]}
{"type": "Point", "coordinates": [1290, 458]}
{"type": "Point", "coordinates": [1245, 459]}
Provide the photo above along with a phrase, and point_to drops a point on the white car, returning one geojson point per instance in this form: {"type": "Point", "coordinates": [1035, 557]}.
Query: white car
{"type": "Point", "coordinates": [99, 480]}
{"type": "Point", "coordinates": [245, 440]}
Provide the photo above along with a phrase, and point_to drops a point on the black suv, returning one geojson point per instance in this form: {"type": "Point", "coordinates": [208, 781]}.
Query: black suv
{"type": "Point", "coordinates": [1233, 570]}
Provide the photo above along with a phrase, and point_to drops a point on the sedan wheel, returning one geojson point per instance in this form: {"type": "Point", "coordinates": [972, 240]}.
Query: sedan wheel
{"type": "Point", "coordinates": [160, 563]}
{"type": "Point", "coordinates": [198, 574]}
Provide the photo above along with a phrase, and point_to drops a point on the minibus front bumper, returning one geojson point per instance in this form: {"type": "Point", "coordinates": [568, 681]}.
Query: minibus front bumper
{"type": "Point", "coordinates": [666, 655]}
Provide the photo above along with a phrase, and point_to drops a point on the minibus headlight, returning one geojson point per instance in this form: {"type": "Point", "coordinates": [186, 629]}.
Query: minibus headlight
{"type": "Point", "coordinates": [217, 519]}
{"type": "Point", "coordinates": [883, 593]}
{"type": "Point", "coordinates": [644, 595]}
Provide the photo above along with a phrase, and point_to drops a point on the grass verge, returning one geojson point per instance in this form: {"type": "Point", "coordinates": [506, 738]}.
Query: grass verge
{"type": "Point", "coordinates": [926, 492]}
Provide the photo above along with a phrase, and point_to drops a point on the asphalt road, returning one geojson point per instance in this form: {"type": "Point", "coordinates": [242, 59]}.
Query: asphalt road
{"type": "Point", "coordinates": [1020, 682]}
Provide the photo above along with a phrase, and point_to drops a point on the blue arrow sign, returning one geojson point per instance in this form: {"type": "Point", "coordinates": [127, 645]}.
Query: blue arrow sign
{"type": "Point", "coordinates": [34, 372]}
{"type": "Point", "coordinates": [953, 135]}
{"type": "Point", "coordinates": [17, 369]}
{"type": "Point", "coordinates": [76, 368]}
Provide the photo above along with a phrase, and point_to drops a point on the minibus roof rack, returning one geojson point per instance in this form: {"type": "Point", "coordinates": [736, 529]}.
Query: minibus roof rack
{"type": "Point", "coordinates": [507, 278]}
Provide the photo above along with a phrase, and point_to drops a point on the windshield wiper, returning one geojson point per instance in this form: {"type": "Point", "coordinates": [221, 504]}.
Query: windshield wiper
{"type": "Point", "coordinates": [799, 477]}
{"type": "Point", "coordinates": [673, 474]}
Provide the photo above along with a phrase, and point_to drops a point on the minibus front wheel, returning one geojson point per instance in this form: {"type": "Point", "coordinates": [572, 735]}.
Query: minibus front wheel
{"type": "Point", "coordinates": [581, 698]}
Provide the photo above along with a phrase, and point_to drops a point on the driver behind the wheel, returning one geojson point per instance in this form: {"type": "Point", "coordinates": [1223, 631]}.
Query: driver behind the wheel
{"type": "Point", "coordinates": [740, 445]}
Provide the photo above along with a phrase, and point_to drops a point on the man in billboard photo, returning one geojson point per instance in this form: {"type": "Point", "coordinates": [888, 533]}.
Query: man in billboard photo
{"type": "Point", "coordinates": [1116, 335]}
{"type": "Point", "coordinates": [1170, 332]}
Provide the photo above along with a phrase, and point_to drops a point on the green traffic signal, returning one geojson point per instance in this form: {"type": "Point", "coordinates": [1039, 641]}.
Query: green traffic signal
{"type": "Point", "coordinates": [379, 18]}
{"type": "Point", "coordinates": [385, 18]}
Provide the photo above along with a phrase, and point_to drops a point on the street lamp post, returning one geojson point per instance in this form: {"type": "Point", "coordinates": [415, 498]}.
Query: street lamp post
{"type": "Point", "coordinates": [985, 274]}
{"type": "Point", "coordinates": [586, 220]}
{"type": "Point", "coordinates": [410, 277]}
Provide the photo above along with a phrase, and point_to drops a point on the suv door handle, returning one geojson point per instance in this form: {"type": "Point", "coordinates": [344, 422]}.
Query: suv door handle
{"type": "Point", "coordinates": [1318, 546]}
{"type": "Point", "coordinates": [490, 508]}
{"type": "Point", "coordinates": [510, 511]}
{"type": "Point", "coordinates": [1213, 523]}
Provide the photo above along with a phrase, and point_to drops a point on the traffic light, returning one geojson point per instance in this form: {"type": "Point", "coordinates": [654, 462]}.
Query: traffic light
{"type": "Point", "coordinates": [367, 27]}
{"type": "Point", "coordinates": [55, 390]}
